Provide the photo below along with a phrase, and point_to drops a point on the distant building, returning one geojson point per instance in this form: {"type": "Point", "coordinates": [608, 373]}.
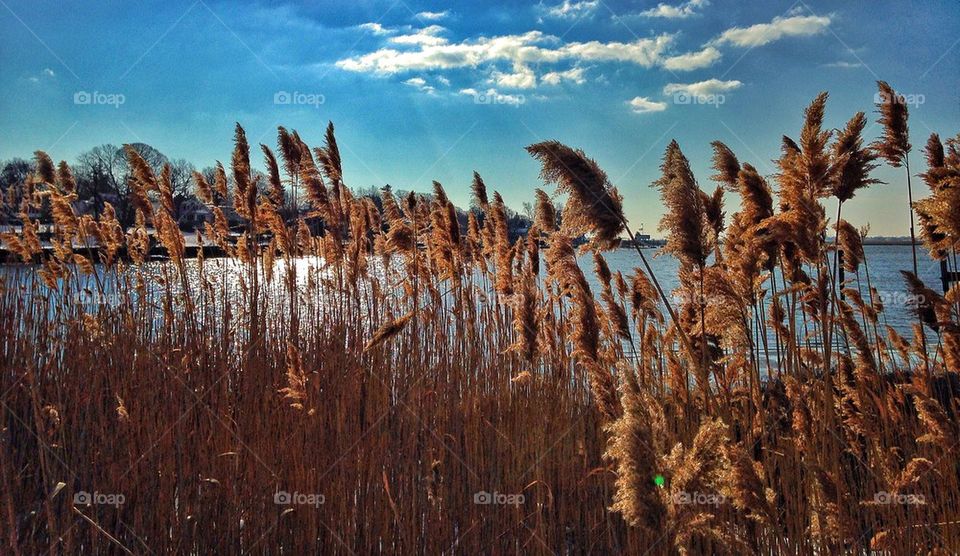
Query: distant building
{"type": "Point", "coordinates": [193, 214]}
{"type": "Point", "coordinates": [84, 206]}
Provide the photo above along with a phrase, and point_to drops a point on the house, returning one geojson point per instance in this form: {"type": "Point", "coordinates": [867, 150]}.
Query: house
{"type": "Point", "coordinates": [193, 213]}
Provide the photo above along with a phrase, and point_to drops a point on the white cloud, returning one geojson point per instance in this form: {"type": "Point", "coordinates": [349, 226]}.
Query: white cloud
{"type": "Point", "coordinates": [436, 53]}
{"type": "Point", "coordinates": [492, 96]}
{"type": "Point", "coordinates": [642, 105]}
{"type": "Point", "coordinates": [420, 84]}
{"type": "Point", "coordinates": [643, 52]}
{"type": "Point", "coordinates": [556, 77]}
{"type": "Point", "coordinates": [702, 88]}
{"type": "Point", "coordinates": [514, 61]}
{"type": "Point", "coordinates": [764, 33]}
{"type": "Point", "coordinates": [45, 73]}
{"type": "Point", "coordinates": [693, 60]}
{"type": "Point", "coordinates": [522, 78]}
{"type": "Point", "coordinates": [374, 28]}
{"type": "Point", "coordinates": [681, 11]}
{"type": "Point", "coordinates": [426, 36]}
{"type": "Point", "coordinates": [433, 16]}
{"type": "Point", "coordinates": [570, 10]}
{"type": "Point", "coordinates": [844, 65]}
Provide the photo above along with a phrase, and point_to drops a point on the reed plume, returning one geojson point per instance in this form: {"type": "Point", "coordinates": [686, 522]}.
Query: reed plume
{"type": "Point", "coordinates": [632, 446]}
{"type": "Point", "coordinates": [852, 161]}
{"type": "Point", "coordinates": [165, 188]}
{"type": "Point", "coordinates": [939, 214]}
{"type": "Point", "coordinates": [276, 192]}
{"type": "Point", "coordinates": [814, 160]}
{"type": "Point", "coordinates": [289, 148]}
{"type": "Point", "coordinates": [714, 215]}
{"type": "Point", "coordinates": [805, 176]}
{"type": "Point", "coordinates": [525, 323]}
{"type": "Point", "coordinates": [330, 157]}
{"type": "Point", "coordinates": [594, 206]}
{"type": "Point", "coordinates": [315, 188]}
{"type": "Point", "coordinates": [850, 244]}
{"type": "Point", "coordinates": [685, 220]}
{"type": "Point", "coordinates": [925, 302]}
{"type": "Point", "coordinates": [502, 248]}
{"type": "Point", "coordinates": [44, 168]}
{"type": "Point", "coordinates": [388, 331]}
{"type": "Point", "coordinates": [726, 165]}
{"type": "Point", "coordinates": [479, 191]}
{"type": "Point", "coordinates": [545, 214]}
{"type": "Point", "coordinates": [65, 179]}
{"type": "Point", "coordinates": [203, 189]}
{"type": "Point", "coordinates": [220, 181]}
{"type": "Point", "coordinates": [894, 146]}
{"type": "Point", "coordinates": [245, 189]}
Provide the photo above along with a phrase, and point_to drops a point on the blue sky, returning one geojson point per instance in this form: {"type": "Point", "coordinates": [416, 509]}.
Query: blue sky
{"type": "Point", "coordinates": [434, 90]}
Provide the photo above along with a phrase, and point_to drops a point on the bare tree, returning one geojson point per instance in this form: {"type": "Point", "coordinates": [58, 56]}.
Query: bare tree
{"type": "Point", "coordinates": [103, 175]}
{"type": "Point", "coordinates": [12, 176]}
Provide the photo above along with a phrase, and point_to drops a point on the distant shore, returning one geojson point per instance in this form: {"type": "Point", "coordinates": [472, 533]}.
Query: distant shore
{"type": "Point", "coordinates": [879, 240]}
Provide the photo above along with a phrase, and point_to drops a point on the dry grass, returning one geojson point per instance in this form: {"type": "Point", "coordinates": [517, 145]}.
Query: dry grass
{"type": "Point", "coordinates": [390, 385]}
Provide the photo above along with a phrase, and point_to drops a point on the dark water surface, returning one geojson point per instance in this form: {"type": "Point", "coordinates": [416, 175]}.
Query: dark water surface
{"type": "Point", "coordinates": [884, 264]}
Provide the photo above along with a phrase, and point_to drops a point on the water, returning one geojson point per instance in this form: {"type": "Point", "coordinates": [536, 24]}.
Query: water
{"type": "Point", "coordinates": [885, 263]}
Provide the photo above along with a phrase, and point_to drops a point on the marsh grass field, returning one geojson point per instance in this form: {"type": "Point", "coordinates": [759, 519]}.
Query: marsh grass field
{"type": "Point", "coordinates": [390, 381]}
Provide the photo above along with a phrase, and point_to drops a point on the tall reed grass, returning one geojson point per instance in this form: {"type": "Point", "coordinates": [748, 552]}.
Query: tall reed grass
{"type": "Point", "coordinates": [399, 384]}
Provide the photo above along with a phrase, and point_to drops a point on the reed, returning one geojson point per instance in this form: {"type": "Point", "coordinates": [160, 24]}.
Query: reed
{"type": "Point", "coordinates": [356, 380]}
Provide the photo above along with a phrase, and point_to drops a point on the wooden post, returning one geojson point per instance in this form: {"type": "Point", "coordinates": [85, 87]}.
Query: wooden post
{"type": "Point", "coordinates": [840, 274]}
{"type": "Point", "coordinates": [944, 275]}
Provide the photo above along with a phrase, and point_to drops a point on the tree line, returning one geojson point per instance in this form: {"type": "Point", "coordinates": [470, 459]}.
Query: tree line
{"type": "Point", "coordinates": [103, 175]}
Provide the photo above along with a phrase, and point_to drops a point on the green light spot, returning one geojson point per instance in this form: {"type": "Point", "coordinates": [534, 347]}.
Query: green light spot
{"type": "Point", "coordinates": [658, 480]}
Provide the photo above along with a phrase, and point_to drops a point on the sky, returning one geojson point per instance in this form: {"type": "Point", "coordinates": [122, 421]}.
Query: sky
{"type": "Point", "coordinates": [423, 90]}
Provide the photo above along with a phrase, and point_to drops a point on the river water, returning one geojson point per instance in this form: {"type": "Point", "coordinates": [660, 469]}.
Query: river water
{"type": "Point", "coordinates": [885, 263]}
